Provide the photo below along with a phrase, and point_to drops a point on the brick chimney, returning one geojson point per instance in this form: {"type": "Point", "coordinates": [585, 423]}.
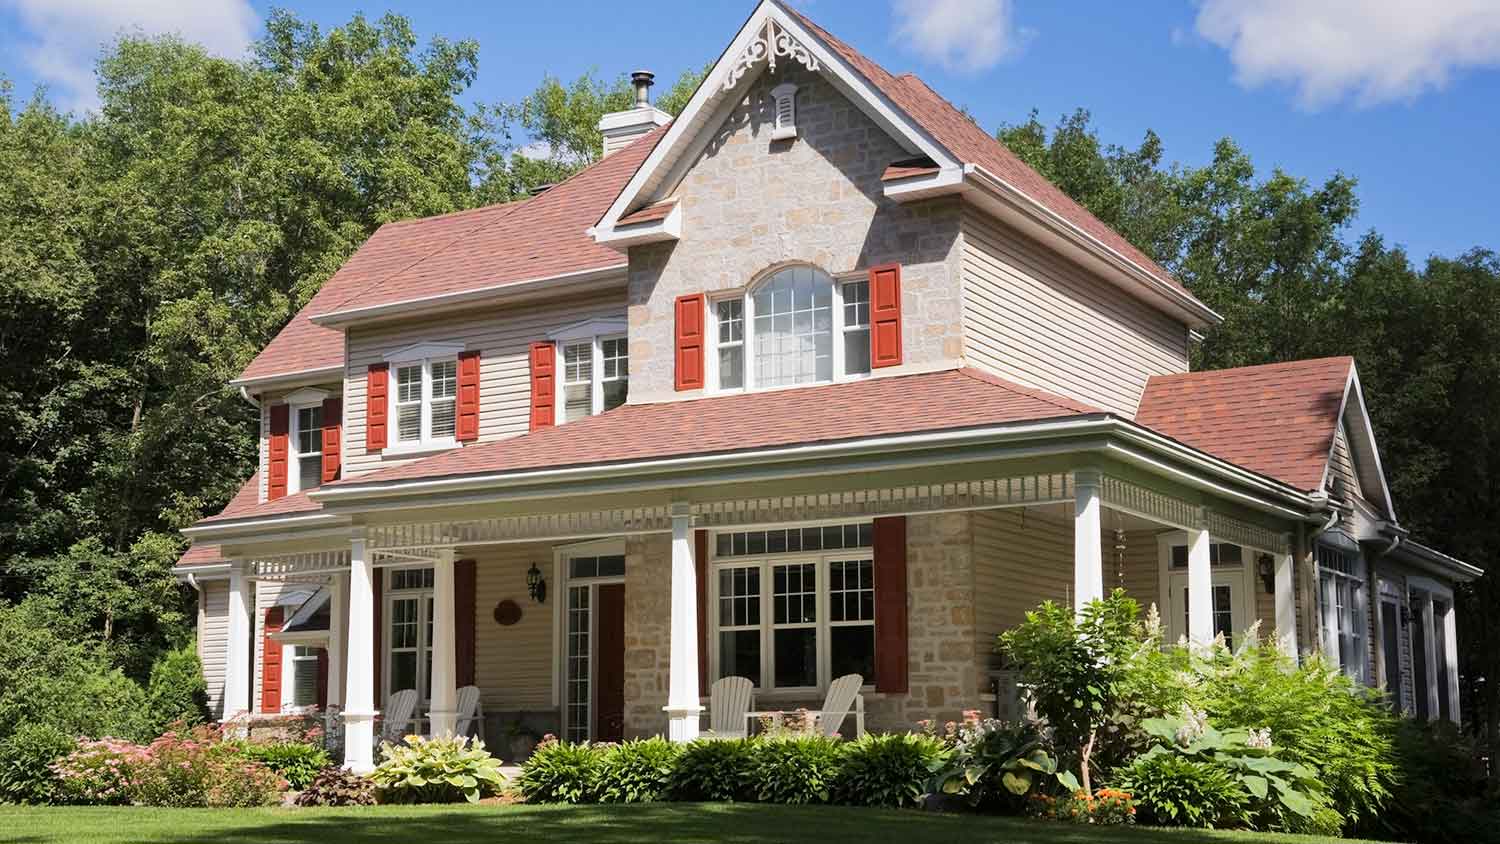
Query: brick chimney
{"type": "Point", "coordinates": [622, 127]}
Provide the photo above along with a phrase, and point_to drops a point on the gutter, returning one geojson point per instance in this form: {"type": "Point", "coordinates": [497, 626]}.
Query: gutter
{"type": "Point", "coordinates": [301, 376]}
{"type": "Point", "coordinates": [497, 292]}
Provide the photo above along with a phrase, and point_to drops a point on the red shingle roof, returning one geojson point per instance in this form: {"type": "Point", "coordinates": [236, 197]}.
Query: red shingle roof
{"type": "Point", "coordinates": [247, 504]}
{"type": "Point", "coordinates": [480, 247]}
{"type": "Point", "coordinates": [649, 214]}
{"type": "Point", "coordinates": [965, 140]}
{"type": "Point", "coordinates": [200, 555]}
{"type": "Point", "coordinates": [1278, 419]}
{"type": "Point", "coordinates": [962, 398]}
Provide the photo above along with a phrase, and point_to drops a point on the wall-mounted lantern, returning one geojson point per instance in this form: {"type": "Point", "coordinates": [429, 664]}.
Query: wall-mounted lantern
{"type": "Point", "coordinates": [536, 585]}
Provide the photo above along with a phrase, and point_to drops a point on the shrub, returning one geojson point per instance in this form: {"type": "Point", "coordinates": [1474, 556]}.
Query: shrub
{"type": "Point", "coordinates": [296, 762]}
{"type": "Point", "coordinates": [1442, 796]}
{"type": "Point", "coordinates": [715, 769]}
{"type": "Point", "coordinates": [177, 692]}
{"type": "Point", "coordinates": [334, 786]}
{"type": "Point", "coordinates": [26, 759]}
{"type": "Point", "coordinates": [890, 770]}
{"type": "Point", "coordinates": [439, 770]}
{"type": "Point", "coordinates": [638, 771]}
{"type": "Point", "coordinates": [560, 772]}
{"type": "Point", "coordinates": [178, 769]}
{"type": "Point", "coordinates": [797, 770]}
{"type": "Point", "coordinates": [994, 763]}
{"type": "Point", "coordinates": [1173, 790]}
{"type": "Point", "coordinates": [1075, 665]}
{"type": "Point", "coordinates": [1107, 807]}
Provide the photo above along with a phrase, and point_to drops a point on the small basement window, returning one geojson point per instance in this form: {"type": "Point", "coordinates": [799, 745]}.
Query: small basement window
{"type": "Point", "coordinates": [785, 96]}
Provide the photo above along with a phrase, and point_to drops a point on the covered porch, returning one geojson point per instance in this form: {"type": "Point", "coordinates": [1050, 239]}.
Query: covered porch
{"type": "Point", "coordinates": [605, 615]}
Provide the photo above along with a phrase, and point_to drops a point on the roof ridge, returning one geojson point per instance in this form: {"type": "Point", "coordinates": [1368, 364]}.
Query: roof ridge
{"type": "Point", "coordinates": [1299, 362]}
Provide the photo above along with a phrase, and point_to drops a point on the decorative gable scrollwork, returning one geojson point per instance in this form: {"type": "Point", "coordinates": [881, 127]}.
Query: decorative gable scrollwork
{"type": "Point", "coordinates": [771, 43]}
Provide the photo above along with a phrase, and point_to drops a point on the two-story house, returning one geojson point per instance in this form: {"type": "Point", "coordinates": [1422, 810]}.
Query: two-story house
{"type": "Point", "coordinates": [815, 379]}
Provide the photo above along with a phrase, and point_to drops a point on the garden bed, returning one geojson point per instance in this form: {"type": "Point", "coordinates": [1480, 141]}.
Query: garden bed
{"type": "Point", "coordinates": [609, 824]}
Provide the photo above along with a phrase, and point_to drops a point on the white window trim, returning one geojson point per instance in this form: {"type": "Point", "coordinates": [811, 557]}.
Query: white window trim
{"type": "Point", "coordinates": [425, 442]}
{"type": "Point", "coordinates": [560, 576]}
{"type": "Point", "coordinates": [289, 672]}
{"type": "Point", "coordinates": [294, 430]}
{"type": "Point", "coordinates": [388, 598]}
{"type": "Point", "coordinates": [767, 688]}
{"type": "Point", "coordinates": [589, 328]}
{"type": "Point", "coordinates": [746, 296]}
{"type": "Point", "coordinates": [596, 367]}
{"type": "Point", "coordinates": [1242, 576]}
{"type": "Point", "coordinates": [1328, 637]}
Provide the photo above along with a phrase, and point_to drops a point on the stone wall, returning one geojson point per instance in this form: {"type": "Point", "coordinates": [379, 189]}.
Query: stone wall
{"type": "Point", "coordinates": [648, 621]}
{"type": "Point", "coordinates": [750, 204]}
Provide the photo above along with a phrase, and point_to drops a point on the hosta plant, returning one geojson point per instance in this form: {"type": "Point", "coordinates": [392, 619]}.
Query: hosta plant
{"type": "Point", "coordinates": [638, 771]}
{"type": "Point", "coordinates": [994, 762]}
{"type": "Point", "coordinates": [438, 770]}
{"type": "Point", "coordinates": [560, 772]}
{"type": "Point", "coordinates": [889, 770]}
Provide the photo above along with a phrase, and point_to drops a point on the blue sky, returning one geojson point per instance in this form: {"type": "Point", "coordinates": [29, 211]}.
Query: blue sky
{"type": "Point", "coordinates": [1403, 94]}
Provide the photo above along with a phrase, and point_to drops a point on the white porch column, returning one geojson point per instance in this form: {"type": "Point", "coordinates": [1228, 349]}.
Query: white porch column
{"type": "Point", "coordinates": [1088, 540]}
{"type": "Point", "coordinates": [338, 599]}
{"type": "Point", "coordinates": [683, 710]}
{"type": "Point", "coordinates": [443, 716]}
{"type": "Point", "coordinates": [1286, 605]}
{"type": "Point", "coordinates": [239, 655]}
{"type": "Point", "coordinates": [1200, 587]}
{"type": "Point", "coordinates": [359, 651]}
{"type": "Point", "coordinates": [1450, 654]}
{"type": "Point", "coordinates": [1429, 645]}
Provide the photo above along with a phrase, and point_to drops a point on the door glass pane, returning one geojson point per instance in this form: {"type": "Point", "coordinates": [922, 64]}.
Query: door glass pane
{"type": "Point", "coordinates": [796, 657]}
{"type": "Point", "coordinates": [578, 670]}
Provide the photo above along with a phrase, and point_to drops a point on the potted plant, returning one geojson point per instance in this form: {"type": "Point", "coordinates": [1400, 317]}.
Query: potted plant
{"type": "Point", "coordinates": [522, 741]}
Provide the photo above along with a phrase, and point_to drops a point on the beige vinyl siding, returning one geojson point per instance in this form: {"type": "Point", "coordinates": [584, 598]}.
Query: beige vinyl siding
{"type": "Point", "coordinates": [503, 336]}
{"type": "Point", "coordinates": [513, 665]}
{"type": "Point", "coordinates": [1020, 559]}
{"type": "Point", "coordinates": [1034, 318]}
{"type": "Point", "coordinates": [1137, 570]}
{"type": "Point", "coordinates": [213, 639]}
{"type": "Point", "coordinates": [1341, 462]}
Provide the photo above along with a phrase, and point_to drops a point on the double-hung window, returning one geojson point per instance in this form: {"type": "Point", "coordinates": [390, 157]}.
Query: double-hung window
{"type": "Point", "coordinates": [307, 439]}
{"type": "Point", "coordinates": [1342, 599]}
{"type": "Point", "coordinates": [798, 326]}
{"type": "Point", "coordinates": [594, 359]}
{"type": "Point", "coordinates": [424, 400]}
{"type": "Point", "coordinates": [304, 679]}
{"type": "Point", "coordinates": [794, 608]}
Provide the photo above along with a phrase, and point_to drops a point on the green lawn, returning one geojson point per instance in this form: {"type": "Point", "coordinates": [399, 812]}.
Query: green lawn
{"type": "Point", "coordinates": [658, 823]}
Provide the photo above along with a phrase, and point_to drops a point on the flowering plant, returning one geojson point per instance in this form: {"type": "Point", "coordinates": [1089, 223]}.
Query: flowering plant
{"type": "Point", "coordinates": [196, 767]}
{"type": "Point", "coordinates": [993, 760]}
{"type": "Point", "coordinates": [1106, 807]}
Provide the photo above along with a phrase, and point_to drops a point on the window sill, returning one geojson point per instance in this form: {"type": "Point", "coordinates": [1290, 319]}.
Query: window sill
{"type": "Point", "coordinates": [419, 449]}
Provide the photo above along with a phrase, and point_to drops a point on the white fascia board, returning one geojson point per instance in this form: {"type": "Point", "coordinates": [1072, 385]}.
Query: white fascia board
{"type": "Point", "coordinates": [1128, 274]}
{"type": "Point", "coordinates": [1225, 479]}
{"type": "Point", "coordinates": [289, 379]}
{"type": "Point", "coordinates": [491, 293]}
{"type": "Point", "coordinates": [913, 188]}
{"type": "Point", "coordinates": [214, 571]}
{"type": "Point", "coordinates": [1356, 392]}
{"type": "Point", "coordinates": [310, 638]}
{"type": "Point", "coordinates": [1436, 561]}
{"type": "Point", "coordinates": [634, 234]}
{"type": "Point", "coordinates": [704, 103]}
{"type": "Point", "coordinates": [224, 531]}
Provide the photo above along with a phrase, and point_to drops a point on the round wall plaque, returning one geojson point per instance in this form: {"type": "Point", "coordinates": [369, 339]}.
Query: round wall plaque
{"type": "Point", "coordinates": [507, 612]}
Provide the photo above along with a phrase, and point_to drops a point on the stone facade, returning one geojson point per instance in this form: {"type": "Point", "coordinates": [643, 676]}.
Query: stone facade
{"type": "Point", "coordinates": [750, 204]}
{"type": "Point", "coordinates": [648, 622]}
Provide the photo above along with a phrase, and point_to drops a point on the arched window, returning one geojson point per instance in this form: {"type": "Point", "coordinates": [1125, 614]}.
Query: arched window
{"type": "Point", "coordinates": [797, 326]}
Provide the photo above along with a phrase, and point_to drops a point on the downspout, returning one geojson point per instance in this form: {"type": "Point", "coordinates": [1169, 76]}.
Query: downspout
{"type": "Point", "coordinates": [245, 394]}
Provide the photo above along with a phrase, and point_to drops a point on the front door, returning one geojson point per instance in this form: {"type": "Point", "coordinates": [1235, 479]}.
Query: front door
{"type": "Point", "coordinates": [609, 688]}
{"type": "Point", "coordinates": [1227, 600]}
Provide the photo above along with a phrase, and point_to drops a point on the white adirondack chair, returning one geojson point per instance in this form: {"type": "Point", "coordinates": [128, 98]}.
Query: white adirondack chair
{"type": "Point", "coordinates": [399, 715]}
{"type": "Point", "coordinates": [843, 697]}
{"type": "Point", "coordinates": [728, 705]}
{"type": "Point", "coordinates": [470, 712]}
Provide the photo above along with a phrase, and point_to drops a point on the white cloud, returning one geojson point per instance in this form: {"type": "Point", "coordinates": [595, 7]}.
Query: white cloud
{"type": "Point", "coordinates": [62, 38]}
{"type": "Point", "coordinates": [1373, 51]}
{"type": "Point", "coordinates": [962, 35]}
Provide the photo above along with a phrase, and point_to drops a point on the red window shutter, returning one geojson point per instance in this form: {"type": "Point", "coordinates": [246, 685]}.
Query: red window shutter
{"type": "Point", "coordinates": [885, 315]}
{"type": "Point", "coordinates": [276, 453]}
{"type": "Point", "coordinates": [377, 407]}
{"type": "Point", "coordinates": [333, 437]}
{"type": "Point", "coordinates": [322, 677]}
{"type": "Point", "coordinates": [465, 580]}
{"type": "Point", "coordinates": [377, 587]}
{"type": "Point", "coordinates": [700, 561]}
{"type": "Point", "coordinates": [689, 342]}
{"type": "Point", "coordinates": [543, 386]}
{"type": "Point", "coordinates": [468, 396]}
{"type": "Point", "coordinates": [890, 605]}
{"type": "Point", "coordinates": [270, 660]}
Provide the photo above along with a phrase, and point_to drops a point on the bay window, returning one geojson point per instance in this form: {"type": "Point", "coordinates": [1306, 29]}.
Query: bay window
{"type": "Point", "coordinates": [424, 402]}
{"type": "Point", "coordinates": [798, 326]}
{"type": "Point", "coordinates": [794, 608]}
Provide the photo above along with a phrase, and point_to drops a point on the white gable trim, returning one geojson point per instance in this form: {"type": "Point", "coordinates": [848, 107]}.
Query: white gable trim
{"type": "Point", "coordinates": [1362, 437]}
{"type": "Point", "coordinates": [590, 328]}
{"type": "Point", "coordinates": [692, 129]}
{"type": "Point", "coordinates": [306, 396]}
{"type": "Point", "coordinates": [423, 351]}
